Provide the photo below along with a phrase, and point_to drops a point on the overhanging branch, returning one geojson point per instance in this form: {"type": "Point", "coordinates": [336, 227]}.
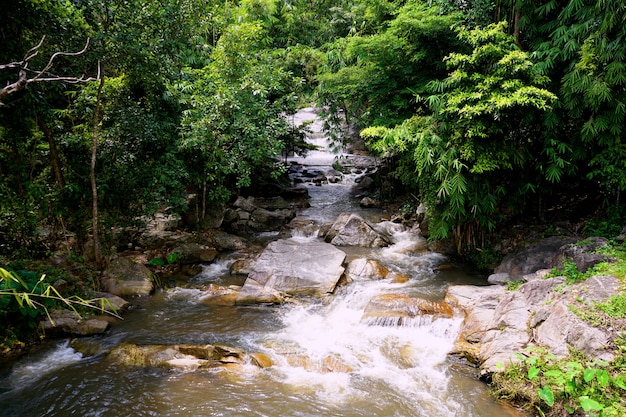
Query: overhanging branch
{"type": "Point", "coordinates": [28, 76]}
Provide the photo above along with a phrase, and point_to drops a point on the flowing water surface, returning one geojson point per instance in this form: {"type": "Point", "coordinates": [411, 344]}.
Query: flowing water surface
{"type": "Point", "coordinates": [394, 370]}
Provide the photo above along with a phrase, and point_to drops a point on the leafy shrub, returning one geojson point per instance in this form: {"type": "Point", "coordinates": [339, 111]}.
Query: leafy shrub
{"type": "Point", "coordinates": [574, 385]}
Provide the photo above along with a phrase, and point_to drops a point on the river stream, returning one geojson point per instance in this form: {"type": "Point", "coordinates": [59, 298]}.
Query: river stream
{"type": "Point", "coordinates": [396, 370]}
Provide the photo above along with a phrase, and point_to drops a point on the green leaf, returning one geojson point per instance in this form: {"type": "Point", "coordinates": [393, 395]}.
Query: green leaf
{"type": "Point", "coordinates": [603, 377]}
{"type": "Point", "coordinates": [533, 372]}
{"type": "Point", "coordinates": [545, 393]}
{"type": "Point", "coordinates": [620, 381]}
{"type": "Point", "coordinates": [589, 405]}
{"type": "Point", "coordinates": [588, 374]}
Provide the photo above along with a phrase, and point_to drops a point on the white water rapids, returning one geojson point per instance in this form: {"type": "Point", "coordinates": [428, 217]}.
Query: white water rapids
{"type": "Point", "coordinates": [326, 360]}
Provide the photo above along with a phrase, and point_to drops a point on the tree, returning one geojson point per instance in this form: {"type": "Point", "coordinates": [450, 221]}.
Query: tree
{"type": "Point", "coordinates": [474, 154]}
{"type": "Point", "coordinates": [373, 80]}
{"type": "Point", "coordinates": [236, 109]}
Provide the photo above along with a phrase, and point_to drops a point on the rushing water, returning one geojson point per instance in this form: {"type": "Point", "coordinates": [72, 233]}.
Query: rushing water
{"type": "Point", "coordinates": [391, 370]}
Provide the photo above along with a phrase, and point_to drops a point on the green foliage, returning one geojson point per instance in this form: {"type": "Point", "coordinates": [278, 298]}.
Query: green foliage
{"type": "Point", "coordinates": [372, 79]}
{"type": "Point", "coordinates": [156, 262]}
{"type": "Point", "coordinates": [614, 307]}
{"type": "Point", "coordinates": [575, 385]}
{"type": "Point", "coordinates": [26, 296]}
{"type": "Point", "coordinates": [571, 272]}
{"type": "Point", "coordinates": [473, 152]}
{"type": "Point", "coordinates": [172, 258]}
{"type": "Point", "coordinates": [234, 119]}
{"type": "Point", "coordinates": [608, 224]}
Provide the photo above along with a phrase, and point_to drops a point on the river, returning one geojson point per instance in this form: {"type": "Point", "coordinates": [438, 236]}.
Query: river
{"type": "Point", "coordinates": [396, 370]}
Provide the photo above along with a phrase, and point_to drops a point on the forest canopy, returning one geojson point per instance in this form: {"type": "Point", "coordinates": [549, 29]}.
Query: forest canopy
{"type": "Point", "coordinates": [485, 111]}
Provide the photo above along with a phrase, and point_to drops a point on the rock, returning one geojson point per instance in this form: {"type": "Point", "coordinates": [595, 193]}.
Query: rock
{"type": "Point", "coordinates": [328, 364]}
{"type": "Point", "coordinates": [158, 239]}
{"type": "Point", "coordinates": [123, 277]}
{"type": "Point", "coordinates": [110, 302]}
{"type": "Point", "coordinates": [582, 253]}
{"type": "Point", "coordinates": [362, 268]}
{"type": "Point", "coordinates": [499, 323]}
{"type": "Point", "coordinates": [193, 253]}
{"type": "Point", "coordinates": [302, 227]}
{"type": "Point", "coordinates": [499, 279]}
{"type": "Point", "coordinates": [399, 309]}
{"type": "Point", "coordinates": [537, 256]}
{"type": "Point", "coordinates": [247, 217]}
{"type": "Point", "coordinates": [242, 266]}
{"type": "Point", "coordinates": [69, 323]}
{"type": "Point", "coordinates": [214, 294]}
{"type": "Point", "coordinates": [261, 360]}
{"type": "Point", "coordinates": [353, 230]}
{"type": "Point", "coordinates": [368, 202]}
{"type": "Point", "coordinates": [223, 241]}
{"type": "Point", "coordinates": [186, 357]}
{"type": "Point", "coordinates": [364, 183]}
{"type": "Point", "coordinates": [293, 268]}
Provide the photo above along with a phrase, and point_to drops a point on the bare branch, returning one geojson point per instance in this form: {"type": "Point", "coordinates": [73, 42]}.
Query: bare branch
{"type": "Point", "coordinates": [41, 75]}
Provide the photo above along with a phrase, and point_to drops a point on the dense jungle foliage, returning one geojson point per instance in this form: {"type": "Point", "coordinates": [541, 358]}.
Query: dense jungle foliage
{"type": "Point", "coordinates": [486, 111]}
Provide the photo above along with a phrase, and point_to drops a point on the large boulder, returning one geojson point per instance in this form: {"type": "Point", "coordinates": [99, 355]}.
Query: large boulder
{"type": "Point", "coordinates": [193, 253]}
{"type": "Point", "coordinates": [582, 253]}
{"type": "Point", "coordinates": [223, 241]}
{"type": "Point", "coordinates": [289, 267]}
{"type": "Point", "coordinates": [124, 277]}
{"type": "Point", "coordinates": [539, 255]}
{"type": "Point", "coordinates": [353, 230]}
{"type": "Point", "coordinates": [500, 323]}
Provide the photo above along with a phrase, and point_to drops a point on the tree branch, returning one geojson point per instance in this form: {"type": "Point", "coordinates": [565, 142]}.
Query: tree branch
{"type": "Point", "coordinates": [23, 79]}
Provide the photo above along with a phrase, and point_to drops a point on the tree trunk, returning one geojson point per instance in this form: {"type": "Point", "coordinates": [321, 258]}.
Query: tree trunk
{"type": "Point", "coordinates": [54, 155]}
{"type": "Point", "coordinates": [92, 174]}
{"type": "Point", "coordinates": [516, 29]}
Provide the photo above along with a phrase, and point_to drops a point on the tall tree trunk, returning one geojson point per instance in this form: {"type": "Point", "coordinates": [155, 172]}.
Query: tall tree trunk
{"type": "Point", "coordinates": [54, 155]}
{"type": "Point", "coordinates": [92, 174]}
{"type": "Point", "coordinates": [516, 29]}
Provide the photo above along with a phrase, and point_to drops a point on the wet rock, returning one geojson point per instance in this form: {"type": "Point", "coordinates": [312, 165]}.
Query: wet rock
{"type": "Point", "coordinates": [193, 253]}
{"type": "Point", "coordinates": [302, 227]}
{"type": "Point", "coordinates": [261, 360]}
{"type": "Point", "coordinates": [399, 309]}
{"type": "Point", "coordinates": [123, 277]}
{"type": "Point", "coordinates": [186, 357]}
{"type": "Point", "coordinates": [66, 322]}
{"type": "Point", "coordinates": [328, 364]}
{"type": "Point", "coordinates": [353, 230]}
{"type": "Point", "coordinates": [214, 294]}
{"type": "Point", "coordinates": [242, 266]}
{"type": "Point", "coordinates": [362, 268]}
{"type": "Point", "coordinates": [288, 267]}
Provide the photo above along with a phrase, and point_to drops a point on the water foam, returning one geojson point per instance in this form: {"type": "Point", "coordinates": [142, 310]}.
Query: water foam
{"type": "Point", "coordinates": [34, 368]}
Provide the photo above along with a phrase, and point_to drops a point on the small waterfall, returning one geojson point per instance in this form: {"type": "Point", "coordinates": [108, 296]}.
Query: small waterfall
{"type": "Point", "coordinates": [32, 369]}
